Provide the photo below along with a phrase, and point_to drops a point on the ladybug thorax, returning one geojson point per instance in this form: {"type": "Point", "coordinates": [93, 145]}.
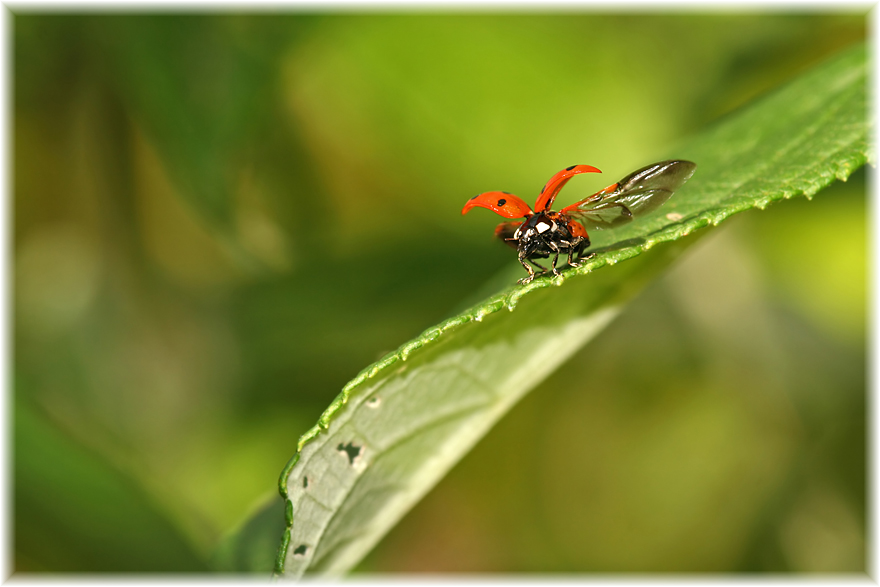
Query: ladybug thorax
{"type": "Point", "coordinates": [536, 225]}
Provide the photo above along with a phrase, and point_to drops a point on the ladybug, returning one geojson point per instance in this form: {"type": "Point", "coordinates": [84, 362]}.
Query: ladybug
{"type": "Point", "coordinates": [544, 232]}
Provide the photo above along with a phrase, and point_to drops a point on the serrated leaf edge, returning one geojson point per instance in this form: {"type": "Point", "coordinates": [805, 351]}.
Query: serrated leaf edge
{"type": "Point", "coordinates": [840, 167]}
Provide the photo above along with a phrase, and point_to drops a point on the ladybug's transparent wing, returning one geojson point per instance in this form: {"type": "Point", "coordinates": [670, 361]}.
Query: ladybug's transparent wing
{"type": "Point", "coordinates": [636, 194]}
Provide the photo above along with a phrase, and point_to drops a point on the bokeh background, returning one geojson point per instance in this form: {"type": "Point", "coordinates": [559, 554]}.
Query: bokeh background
{"type": "Point", "coordinates": [220, 219]}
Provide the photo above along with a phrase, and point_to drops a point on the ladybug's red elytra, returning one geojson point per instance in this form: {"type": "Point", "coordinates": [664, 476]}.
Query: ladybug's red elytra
{"type": "Point", "coordinates": [544, 232]}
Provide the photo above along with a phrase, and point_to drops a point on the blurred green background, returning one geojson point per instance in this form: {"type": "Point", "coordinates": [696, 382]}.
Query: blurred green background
{"type": "Point", "coordinates": [219, 220]}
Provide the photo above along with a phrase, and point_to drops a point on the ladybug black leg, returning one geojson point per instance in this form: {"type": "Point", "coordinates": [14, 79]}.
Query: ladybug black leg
{"type": "Point", "coordinates": [532, 274]}
{"type": "Point", "coordinates": [578, 251]}
{"type": "Point", "coordinates": [553, 264]}
{"type": "Point", "coordinates": [541, 267]}
{"type": "Point", "coordinates": [531, 271]}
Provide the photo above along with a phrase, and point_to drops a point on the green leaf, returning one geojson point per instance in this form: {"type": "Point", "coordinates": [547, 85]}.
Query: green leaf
{"type": "Point", "coordinates": [199, 118]}
{"type": "Point", "coordinates": [252, 546]}
{"type": "Point", "coordinates": [404, 421]}
{"type": "Point", "coordinates": [101, 520]}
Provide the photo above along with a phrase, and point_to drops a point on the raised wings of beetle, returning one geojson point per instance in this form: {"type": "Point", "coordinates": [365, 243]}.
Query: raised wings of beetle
{"type": "Point", "coordinates": [544, 232]}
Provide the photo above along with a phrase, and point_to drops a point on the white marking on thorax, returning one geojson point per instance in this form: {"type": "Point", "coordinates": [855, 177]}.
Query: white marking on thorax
{"type": "Point", "coordinates": [542, 227]}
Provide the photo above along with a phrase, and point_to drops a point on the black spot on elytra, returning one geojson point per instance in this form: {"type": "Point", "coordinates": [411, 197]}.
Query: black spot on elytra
{"type": "Point", "coordinates": [350, 450]}
{"type": "Point", "coordinates": [501, 202]}
{"type": "Point", "coordinates": [302, 549]}
{"type": "Point", "coordinates": [570, 168]}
